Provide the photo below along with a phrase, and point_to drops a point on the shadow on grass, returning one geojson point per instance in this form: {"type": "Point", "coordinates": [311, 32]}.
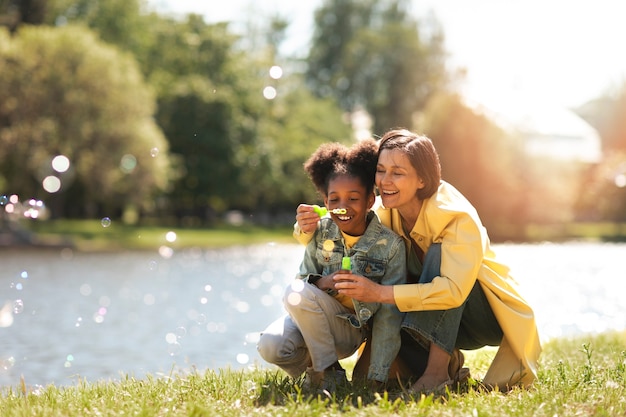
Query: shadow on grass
{"type": "Point", "coordinates": [278, 389]}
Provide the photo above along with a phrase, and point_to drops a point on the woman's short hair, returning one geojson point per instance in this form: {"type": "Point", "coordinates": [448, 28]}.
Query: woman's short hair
{"type": "Point", "coordinates": [422, 154]}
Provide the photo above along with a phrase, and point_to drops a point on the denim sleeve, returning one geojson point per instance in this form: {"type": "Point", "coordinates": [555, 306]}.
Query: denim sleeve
{"type": "Point", "coordinates": [309, 263]}
{"type": "Point", "coordinates": [388, 319]}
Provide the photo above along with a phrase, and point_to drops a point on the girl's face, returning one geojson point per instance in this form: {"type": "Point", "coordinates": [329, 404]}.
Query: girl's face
{"type": "Point", "coordinates": [349, 193]}
{"type": "Point", "coordinates": [396, 179]}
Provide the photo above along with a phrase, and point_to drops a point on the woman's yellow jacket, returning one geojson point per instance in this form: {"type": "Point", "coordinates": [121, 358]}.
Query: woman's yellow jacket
{"type": "Point", "coordinates": [466, 256]}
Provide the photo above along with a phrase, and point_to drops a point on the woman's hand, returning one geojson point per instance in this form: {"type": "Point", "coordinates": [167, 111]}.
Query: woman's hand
{"type": "Point", "coordinates": [307, 218]}
{"type": "Point", "coordinates": [363, 289]}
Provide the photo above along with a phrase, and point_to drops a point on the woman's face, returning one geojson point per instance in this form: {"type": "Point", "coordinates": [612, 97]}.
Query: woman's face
{"type": "Point", "coordinates": [396, 179]}
{"type": "Point", "coordinates": [348, 193]}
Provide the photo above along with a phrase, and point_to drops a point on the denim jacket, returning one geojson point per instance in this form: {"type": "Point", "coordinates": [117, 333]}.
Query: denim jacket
{"type": "Point", "coordinates": [379, 255]}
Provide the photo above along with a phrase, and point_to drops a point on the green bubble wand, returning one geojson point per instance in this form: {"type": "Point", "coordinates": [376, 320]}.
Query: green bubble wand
{"type": "Point", "coordinates": [321, 211]}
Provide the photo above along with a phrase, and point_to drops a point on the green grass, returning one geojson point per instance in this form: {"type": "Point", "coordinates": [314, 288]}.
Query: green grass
{"type": "Point", "coordinates": [585, 376]}
{"type": "Point", "coordinates": [91, 235]}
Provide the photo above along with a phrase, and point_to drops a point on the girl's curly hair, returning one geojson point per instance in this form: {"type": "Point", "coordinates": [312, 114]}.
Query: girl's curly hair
{"type": "Point", "coordinates": [333, 159]}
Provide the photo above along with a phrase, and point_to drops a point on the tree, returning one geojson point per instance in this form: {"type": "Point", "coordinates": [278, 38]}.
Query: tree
{"type": "Point", "coordinates": [64, 92]}
{"type": "Point", "coordinates": [372, 54]}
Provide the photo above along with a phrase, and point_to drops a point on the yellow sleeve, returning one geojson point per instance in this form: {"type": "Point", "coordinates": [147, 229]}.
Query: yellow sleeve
{"type": "Point", "coordinates": [300, 236]}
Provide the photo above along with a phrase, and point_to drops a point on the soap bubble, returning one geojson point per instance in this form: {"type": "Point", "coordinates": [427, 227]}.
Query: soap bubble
{"type": "Point", "coordinates": [106, 222]}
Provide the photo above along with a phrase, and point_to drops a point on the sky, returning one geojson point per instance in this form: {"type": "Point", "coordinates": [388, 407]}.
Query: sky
{"type": "Point", "coordinates": [563, 52]}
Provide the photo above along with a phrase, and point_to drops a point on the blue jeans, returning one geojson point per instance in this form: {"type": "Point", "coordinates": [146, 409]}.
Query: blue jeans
{"type": "Point", "coordinates": [470, 326]}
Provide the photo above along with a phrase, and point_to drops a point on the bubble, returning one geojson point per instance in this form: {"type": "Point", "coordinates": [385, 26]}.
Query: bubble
{"type": "Point", "coordinates": [3, 200]}
{"type": "Point", "coordinates": [208, 288]}
{"type": "Point", "coordinates": [267, 300]}
{"type": "Point", "coordinates": [242, 306]}
{"type": "Point", "coordinates": [106, 222]}
{"type": "Point", "coordinates": [213, 327]}
{"type": "Point", "coordinates": [24, 274]}
{"type": "Point", "coordinates": [128, 163]}
{"type": "Point", "coordinates": [51, 184]}
{"type": "Point", "coordinates": [98, 318]}
{"type": "Point", "coordinates": [620, 180]}
{"type": "Point", "coordinates": [242, 358]}
{"type": "Point", "coordinates": [173, 349]}
{"type": "Point", "coordinates": [269, 93]}
{"type": "Point", "coordinates": [104, 301]}
{"type": "Point", "coordinates": [7, 363]}
{"type": "Point", "coordinates": [154, 152]}
{"type": "Point", "coordinates": [166, 252]}
{"type": "Point", "coordinates": [70, 357]}
{"type": "Point", "coordinates": [171, 338]}
{"type": "Point", "coordinates": [78, 322]}
{"type": "Point", "coordinates": [276, 72]}
{"type": "Point", "coordinates": [18, 286]}
{"type": "Point", "coordinates": [294, 298]}
{"type": "Point", "coordinates": [18, 306]}
{"type": "Point", "coordinates": [204, 300]}
{"type": "Point", "coordinates": [148, 299]}
{"type": "Point", "coordinates": [181, 332]}
{"type": "Point", "coordinates": [170, 236]}
{"type": "Point", "coordinates": [85, 289]}
{"type": "Point", "coordinates": [201, 319]}
{"type": "Point", "coordinates": [60, 163]}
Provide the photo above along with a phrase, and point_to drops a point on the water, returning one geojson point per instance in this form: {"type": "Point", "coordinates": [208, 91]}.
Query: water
{"type": "Point", "coordinates": [70, 316]}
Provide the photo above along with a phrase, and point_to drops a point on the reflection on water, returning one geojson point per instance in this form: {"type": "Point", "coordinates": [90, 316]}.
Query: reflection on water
{"type": "Point", "coordinates": [65, 316]}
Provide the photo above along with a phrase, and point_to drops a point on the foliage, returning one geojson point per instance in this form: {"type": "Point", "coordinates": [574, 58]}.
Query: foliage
{"type": "Point", "coordinates": [580, 376]}
{"type": "Point", "coordinates": [63, 92]}
{"type": "Point", "coordinates": [375, 55]}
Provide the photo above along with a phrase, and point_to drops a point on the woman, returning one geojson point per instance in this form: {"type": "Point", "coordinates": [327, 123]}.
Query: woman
{"type": "Point", "coordinates": [471, 301]}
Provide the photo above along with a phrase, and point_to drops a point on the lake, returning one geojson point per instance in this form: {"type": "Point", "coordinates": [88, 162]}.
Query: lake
{"type": "Point", "coordinates": [69, 316]}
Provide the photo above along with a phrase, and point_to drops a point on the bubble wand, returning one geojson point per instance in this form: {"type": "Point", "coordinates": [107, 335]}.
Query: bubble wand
{"type": "Point", "coordinates": [321, 211]}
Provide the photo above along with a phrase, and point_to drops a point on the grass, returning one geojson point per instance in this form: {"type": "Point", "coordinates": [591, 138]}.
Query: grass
{"type": "Point", "coordinates": [583, 376]}
{"type": "Point", "coordinates": [93, 236]}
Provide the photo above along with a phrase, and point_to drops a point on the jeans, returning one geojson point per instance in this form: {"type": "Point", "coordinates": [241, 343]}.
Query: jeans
{"type": "Point", "coordinates": [312, 335]}
{"type": "Point", "coordinates": [469, 326]}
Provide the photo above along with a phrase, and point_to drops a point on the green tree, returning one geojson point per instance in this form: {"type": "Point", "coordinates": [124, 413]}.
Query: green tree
{"type": "Point", "coordinates": [64, 92]}
{"type": "Point", "coordinates": [372, 54]}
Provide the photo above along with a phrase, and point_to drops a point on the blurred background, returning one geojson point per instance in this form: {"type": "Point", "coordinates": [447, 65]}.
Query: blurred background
{"type": "Point", "coordinates": [190, 114]}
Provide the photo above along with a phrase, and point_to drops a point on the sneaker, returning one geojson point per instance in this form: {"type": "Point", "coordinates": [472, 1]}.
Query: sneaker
{"type": "Point", "coordinates": [324, 382]}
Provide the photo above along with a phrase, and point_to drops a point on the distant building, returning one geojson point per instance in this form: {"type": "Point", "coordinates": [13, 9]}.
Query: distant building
{"type": "Point", "coordinates": [548, 130]}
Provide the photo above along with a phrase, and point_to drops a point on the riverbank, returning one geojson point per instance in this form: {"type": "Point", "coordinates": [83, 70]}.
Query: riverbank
{"type": "Point", "coordinates": [585, 375]}
{"type": "Point", "coordinates": [106, 235]}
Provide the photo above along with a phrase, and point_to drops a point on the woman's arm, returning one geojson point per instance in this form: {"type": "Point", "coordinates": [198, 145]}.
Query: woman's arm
{"type": "Point", "coordinates": [363, 289]}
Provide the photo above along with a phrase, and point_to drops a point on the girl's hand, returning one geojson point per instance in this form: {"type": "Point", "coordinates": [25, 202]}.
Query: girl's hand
{"type": "Point", "coordinates": [307, 218]}
{"type": "Point", "coordinates": [363, 289]}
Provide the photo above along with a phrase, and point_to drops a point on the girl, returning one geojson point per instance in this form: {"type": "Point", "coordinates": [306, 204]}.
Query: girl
{"type": "Point", "coordinates": [322, 326]}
